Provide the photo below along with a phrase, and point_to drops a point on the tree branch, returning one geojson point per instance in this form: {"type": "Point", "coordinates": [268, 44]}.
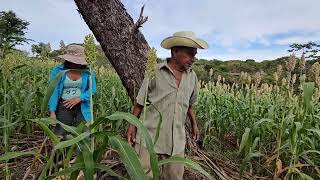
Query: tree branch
{"type": "Point", "coordinates": [140, 21]}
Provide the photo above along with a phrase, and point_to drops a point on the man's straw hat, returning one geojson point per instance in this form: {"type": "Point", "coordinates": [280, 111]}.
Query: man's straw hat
{"type": "Point", "coordinates": [184, 38]}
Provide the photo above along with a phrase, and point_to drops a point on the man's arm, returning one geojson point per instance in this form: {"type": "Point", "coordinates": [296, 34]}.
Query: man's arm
{"type": "Point", "coordinates": [194, 126]}
{"type": "Point", "coordinates": [132, 130]}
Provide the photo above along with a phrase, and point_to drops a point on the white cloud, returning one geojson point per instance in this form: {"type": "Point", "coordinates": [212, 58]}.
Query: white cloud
{"type": "Point", "coordinates": [259, 55]}
{"type": "Point", "coordinates": [232, 28]}
{"type": "Point", "coordinates": [299, 39]}
{"type": "Point", "coordinates": [228, 21]}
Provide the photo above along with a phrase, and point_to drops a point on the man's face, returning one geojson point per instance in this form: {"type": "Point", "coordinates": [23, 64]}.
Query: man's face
{"type": "Point", "coordinates": [185, 56]}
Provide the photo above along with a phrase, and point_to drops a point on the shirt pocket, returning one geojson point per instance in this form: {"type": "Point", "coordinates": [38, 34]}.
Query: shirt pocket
{"type": "Point", "coordinates": [187, 92]}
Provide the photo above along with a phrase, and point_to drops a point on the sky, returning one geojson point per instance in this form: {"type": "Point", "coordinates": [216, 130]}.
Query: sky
{"type": "Point", "coordinates": [234, 29]}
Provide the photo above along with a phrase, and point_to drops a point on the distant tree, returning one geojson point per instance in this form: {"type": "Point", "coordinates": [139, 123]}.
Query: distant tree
{"type": "Point", "coordinates": [56, 53]}
{"type": "Point", "coordinates": [90, 49]}
{"type": "Point", "coordinates": [250, 60]}
{"type": "Point", "coordinates": [41, 50]}
{"type": "Point", "coordinates": [311, 49]}
{"type": "Point", "coordinates": [12, 32]}
{"type": "Point", "coordinates": [48, 47]}
{"type": "Point", "coordinates": [62, 46]}
{"type": "Point", "coordinates": [35, 50]}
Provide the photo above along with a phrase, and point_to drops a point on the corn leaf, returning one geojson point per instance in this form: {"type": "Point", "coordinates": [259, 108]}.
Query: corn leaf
{"type": "Point", "coordinates": [11, 155]}
{"type": "Point", "coordinates": [187, 162]}
{"type": "Point", "coordinates": [72, 141]}
{"type": "Point", "coordinates": [129, 158]}
{"type": "Point", "coordinates": [67, 171]}
{"type": "Point", "coordinates": [244, 139]}
{"type": "Point", "coordinates": [108, 170]}
{"type": "Point", "coordinates": [144, 132]}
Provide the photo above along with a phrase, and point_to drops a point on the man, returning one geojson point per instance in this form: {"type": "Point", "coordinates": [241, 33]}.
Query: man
{"type": "Point", "coordinates": [172, 92]}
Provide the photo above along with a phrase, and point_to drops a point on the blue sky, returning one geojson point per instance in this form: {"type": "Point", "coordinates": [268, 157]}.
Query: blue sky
{"type": "Point", "coordinates": [243, 29]}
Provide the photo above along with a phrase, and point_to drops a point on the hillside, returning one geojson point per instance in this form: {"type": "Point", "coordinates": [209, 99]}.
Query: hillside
{"type": "Point", "coordinates": [231, 70]}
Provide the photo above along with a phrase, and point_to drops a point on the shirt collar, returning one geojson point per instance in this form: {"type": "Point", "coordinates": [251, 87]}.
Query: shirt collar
{"type": "Point", "coordinates": [165, 64]}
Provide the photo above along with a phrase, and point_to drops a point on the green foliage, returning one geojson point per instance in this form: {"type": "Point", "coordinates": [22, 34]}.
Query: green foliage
{"type": "Point", "coordinates": [12, 31]}
{"type": "Point", "coordinates": [41, 50]}
{"type": "Point", "coordinates": [129, 158]}
{"type": "Point", "coordinates": [270, 124]}
{"type": "Point", "coordinates": [151, 63]}
{"type": "Point", "coordinates": [310, 48]}
{"type": "Point", "coordinates": [232, 69]}
{"type": "Point", "coordinates": [62, 46]}
{"type": "Point", "coordinates": [11, 155]}
{"type": "Point", "coordinates": [102, 60]}
{"type": "Point", "coordinates": [147, 139]}
{"type": "Point", "coordinates": [90, 49]}
{"type": "Point", "coordinates": [187, 162]}
{"type": "Point", "coordinates": [102, 133]}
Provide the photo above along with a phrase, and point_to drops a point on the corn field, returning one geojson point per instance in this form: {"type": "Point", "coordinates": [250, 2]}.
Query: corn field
{"type": "Point", "coordinates": [25, 128]}
{"type": "Point", "coordinates": [273, 129]}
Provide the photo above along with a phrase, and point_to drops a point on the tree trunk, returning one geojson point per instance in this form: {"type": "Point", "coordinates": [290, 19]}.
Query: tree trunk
{"type": "Point", "coordinates": [123, 44]}
{"type": "Point", "coordinates": [125, 47]}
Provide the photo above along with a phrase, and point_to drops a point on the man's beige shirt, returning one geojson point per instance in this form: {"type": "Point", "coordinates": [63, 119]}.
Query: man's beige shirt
{"type": "Point", "coordinates": [173, 102]}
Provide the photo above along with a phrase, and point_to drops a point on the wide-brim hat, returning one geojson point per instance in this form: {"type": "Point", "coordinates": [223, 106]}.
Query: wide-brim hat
{"type": "Point", "coordinates": [184, 38]}
{"type": "Point", "coordinates": [74, 54]}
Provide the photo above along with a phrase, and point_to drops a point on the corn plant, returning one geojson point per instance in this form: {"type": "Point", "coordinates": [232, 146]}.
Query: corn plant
{"type": "Point", "coordinates": [270, 123]}
{"type": "Point", "coordinates": [89, 156]}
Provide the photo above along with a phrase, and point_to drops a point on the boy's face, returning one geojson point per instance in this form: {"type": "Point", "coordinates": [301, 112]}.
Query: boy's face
{"type": "Point", "coordinates": [185, 56]}
{"type": "Point", "coordinates": [71, 65]}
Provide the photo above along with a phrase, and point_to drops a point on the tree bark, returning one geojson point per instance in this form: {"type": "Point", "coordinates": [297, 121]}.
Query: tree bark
{"type": "Point", "coordinates": [123, 44]}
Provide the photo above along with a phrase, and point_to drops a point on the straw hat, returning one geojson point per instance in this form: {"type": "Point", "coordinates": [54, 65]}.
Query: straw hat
{"type": "Point", "coordinates": [74, 54]}
{"type": "Point", "coordinates": [184, 38]}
